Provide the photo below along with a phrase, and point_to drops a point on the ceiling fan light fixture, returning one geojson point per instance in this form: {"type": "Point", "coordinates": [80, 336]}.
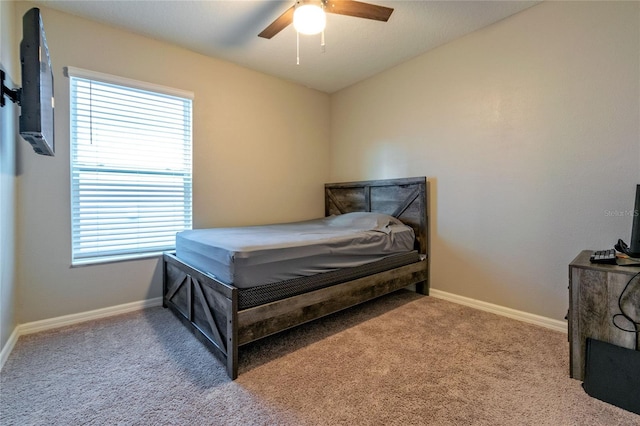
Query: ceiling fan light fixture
{"type": "Point", "coordinates": [309, 19]}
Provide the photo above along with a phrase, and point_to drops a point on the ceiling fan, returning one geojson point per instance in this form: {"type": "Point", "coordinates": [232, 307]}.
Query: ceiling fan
{"type": "Point", "coordinates": [339, 7]}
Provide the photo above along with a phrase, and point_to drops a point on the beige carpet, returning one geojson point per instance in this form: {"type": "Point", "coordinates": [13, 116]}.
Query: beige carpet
{"type": "Point", "coordinates": [404, 359]}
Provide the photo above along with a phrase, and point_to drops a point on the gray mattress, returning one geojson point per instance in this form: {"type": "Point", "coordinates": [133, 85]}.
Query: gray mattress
{"type": "Point", "coordinates": [257, 255]}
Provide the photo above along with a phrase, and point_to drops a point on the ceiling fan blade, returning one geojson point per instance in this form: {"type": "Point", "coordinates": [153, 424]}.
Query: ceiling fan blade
{"type": "Point", "coordinates": [359, 9]}
{"type": "Point", "coordinates": [282, 22]}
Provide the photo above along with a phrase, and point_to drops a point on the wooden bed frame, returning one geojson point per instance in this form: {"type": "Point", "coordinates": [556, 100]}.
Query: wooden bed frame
{"type": "Point", "coordinates": [209, 308]}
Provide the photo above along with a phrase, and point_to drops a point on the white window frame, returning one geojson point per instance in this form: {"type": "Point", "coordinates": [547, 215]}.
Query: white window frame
{"type": "Point", "coordinates": [84, 252]}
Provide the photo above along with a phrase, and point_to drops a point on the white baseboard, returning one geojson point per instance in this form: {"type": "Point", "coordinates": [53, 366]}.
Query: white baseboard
{"type": "Point", "coordinates": [541, 321]}
{"type": "Point", "coordinates": [65, 320]}
{"type": "Point", "coordinates": [8, 347]}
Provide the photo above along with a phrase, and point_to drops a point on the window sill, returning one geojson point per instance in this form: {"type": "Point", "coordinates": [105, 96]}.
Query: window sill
{"type": "Point", "coordinates": [115, 259]}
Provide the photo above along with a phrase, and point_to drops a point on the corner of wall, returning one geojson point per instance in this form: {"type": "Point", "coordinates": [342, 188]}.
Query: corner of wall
{"type": "Point", "coordinates": [8, 119]}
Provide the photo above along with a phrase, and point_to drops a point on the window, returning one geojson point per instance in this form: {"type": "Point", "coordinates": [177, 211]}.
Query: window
{"type": "Point", "coordinates": [130, 167]}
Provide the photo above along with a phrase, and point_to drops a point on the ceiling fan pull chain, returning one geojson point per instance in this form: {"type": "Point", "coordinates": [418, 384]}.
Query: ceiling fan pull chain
{"type": "Point", "coordinates": [297, 48]}
{"type": "Point", "coordinates": [322, 48]}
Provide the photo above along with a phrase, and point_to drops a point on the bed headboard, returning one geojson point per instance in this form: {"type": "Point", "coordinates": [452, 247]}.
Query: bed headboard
{"type": "Point", "coordinates": [404, 198]}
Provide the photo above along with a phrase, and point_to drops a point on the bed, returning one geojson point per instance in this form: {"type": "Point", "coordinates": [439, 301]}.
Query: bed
{"type": "Point", "coordinates": [230, 291]}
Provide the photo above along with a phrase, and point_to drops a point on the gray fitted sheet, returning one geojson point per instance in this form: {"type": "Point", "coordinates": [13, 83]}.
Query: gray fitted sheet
{"type": "Point", "coordinates": [256, 255]}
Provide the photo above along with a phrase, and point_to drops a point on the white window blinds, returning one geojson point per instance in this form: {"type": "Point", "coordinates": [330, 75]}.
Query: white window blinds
{"type": "Point", "coordinates": [130, 167]}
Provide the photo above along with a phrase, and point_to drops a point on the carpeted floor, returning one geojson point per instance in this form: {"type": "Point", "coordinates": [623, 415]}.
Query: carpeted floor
{"type": "Point", "coordinates": [403, 359]}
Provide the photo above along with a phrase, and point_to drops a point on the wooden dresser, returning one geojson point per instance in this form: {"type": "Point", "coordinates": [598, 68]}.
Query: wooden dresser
{"type": "Point", "coordinates": [594, 290]}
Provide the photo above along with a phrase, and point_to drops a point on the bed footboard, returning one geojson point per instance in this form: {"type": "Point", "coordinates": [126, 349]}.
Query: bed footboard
{"type": "Point", "coordinates": [206, 306]}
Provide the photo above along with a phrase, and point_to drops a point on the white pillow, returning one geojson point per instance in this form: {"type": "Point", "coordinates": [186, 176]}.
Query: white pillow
{"type": "Point", "coordinates": [364, 221]}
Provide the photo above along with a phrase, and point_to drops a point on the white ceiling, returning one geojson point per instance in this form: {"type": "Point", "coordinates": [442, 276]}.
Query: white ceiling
{"type": "Point", "coordinates": [356, 48]}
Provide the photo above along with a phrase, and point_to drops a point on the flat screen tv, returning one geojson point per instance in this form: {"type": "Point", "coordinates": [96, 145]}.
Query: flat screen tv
{"type": "Point", "coordinates": [633, 249]}
{"type": "Point", "coordinates": [36, 98]}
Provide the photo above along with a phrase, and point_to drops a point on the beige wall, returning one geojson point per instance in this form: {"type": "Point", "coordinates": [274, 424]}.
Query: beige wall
{"type": "Point", "coordinates": [521, 128]}
{"type": "Point", "coordinates": [529, 131]}
{"type": "Point", "coordinates": [260, 148]}
{"type": "Point", "coordinates": [8, 118]}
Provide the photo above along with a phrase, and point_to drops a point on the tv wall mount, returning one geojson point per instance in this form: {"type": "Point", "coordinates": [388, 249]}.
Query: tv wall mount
{"type": "Point", "coordinates": [13, 94]}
